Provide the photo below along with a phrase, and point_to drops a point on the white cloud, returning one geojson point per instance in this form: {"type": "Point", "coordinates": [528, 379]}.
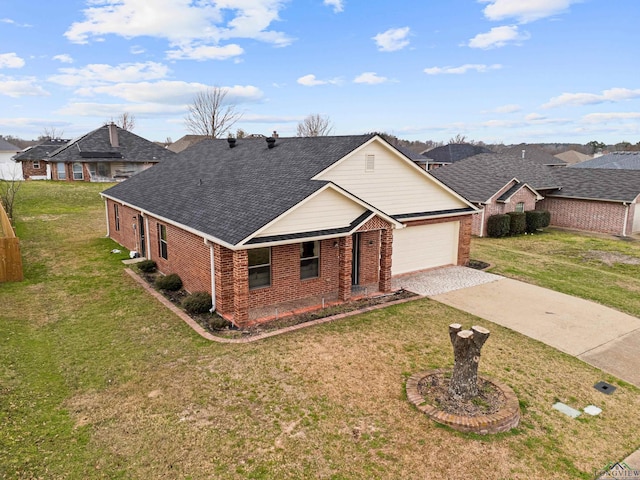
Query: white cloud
{"type": "Point", "coordinates": [512, 108]}
{"type": "Point", "coordinates": [371, 78]}
{"type": "Point", "coordinates": [337, 5]}
{"type": "Point", "coordinates": [136, 50]}
{"type": "Point", "coordinates": [100, 73]}
{"type": "Point", "coordinates": [606, 117]}
{"type": "Point", "coordinates": [169, 92]}
{"type": "Point", "coordinates": [462, 69]}
{"type": "Point", "coordinates": [10, 60]}
{"type": "Point", "coordinates": [392, 40]}
{"type": "Point", "coordinates": [64, 58]}
{"type": "Point", "coordinates": [109, 110]}
{"type": "Point", "coordinates": [498, 37]}
{"type": "Point", "coordinates": [525, 10]}
{"type": "Point", "coordinates": [311, 81]}
{"type": "Point", "coordinates": [579, 99]}
{"type": "Point", "coordinates": [23, 87]}
{"type": "Point", "coordinates": [14, 23]}
{"type": "Point", "coordinates": [205, 52]}
{"type": "Point", "coordinates": [186, 25]}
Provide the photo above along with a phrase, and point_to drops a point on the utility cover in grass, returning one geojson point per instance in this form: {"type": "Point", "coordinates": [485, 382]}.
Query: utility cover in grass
{"type": "Point", "coordinates": [566, 409]}
{"type": "Point", "coordinates": [592, 410]}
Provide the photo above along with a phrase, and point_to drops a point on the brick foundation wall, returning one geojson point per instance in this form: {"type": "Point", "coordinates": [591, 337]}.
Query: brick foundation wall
{"type": "Point", "coordinates": [28, 170]}
{"type": "Point", "coordinates": [589, 215]}
{"type": "Point", "coordinates": [464, 235]}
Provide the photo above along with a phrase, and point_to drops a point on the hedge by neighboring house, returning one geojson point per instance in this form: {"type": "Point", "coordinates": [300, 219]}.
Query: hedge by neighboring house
{"type": "Point", "coordinates": [614, 160]}
{"type": "Point", "coordinates": [9, 170]}
{"type": "Point", "coordinates": [603, 201]}
{"type": "Point", "coordinates": [107, 154]}
{"type": "Point", "coordinates": [258, 222]}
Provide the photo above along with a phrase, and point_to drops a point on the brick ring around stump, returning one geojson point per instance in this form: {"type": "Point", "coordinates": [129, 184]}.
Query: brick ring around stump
{"type": "Point", "coordinates": [503, 420]}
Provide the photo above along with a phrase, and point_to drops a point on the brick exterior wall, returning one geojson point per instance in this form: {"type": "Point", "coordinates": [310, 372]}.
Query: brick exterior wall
{"type": "Point", "coordinates": [589, 215]}
{"type": "Point", "coordinates": [464, 235]}
{"type": "Point", "coordinates": [28, 170]}
{"type": "Point", "coordinates": [497, 208]}
{"type": "Point", "coordinates": [68, 168]}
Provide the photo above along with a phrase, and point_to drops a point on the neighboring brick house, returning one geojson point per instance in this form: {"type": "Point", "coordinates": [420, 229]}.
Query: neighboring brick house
{"type": "Point", "coordinates": [107, 154]}
{"type": "Point", "coordinates": [35, 159]}
{"type": "Point", "coordinates": [496, 184]}
{"type": "Point", "coordinates": [604, 201]}
{"type": "Point", "coordinates": [258, 223]}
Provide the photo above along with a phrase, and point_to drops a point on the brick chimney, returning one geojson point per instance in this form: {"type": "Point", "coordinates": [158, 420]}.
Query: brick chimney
{"type": "Point", "coordinates": [113, 134]}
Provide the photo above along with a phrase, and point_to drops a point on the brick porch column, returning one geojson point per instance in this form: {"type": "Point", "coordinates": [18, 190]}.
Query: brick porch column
{"type": "Point", "coordinates": [464, 240]}
{"type": "Point", "coordinates": [240, 288]}
{"type": "Point", "coordinates": [386, 249]}
{"type": "Point", "coordinates": [345, 250]}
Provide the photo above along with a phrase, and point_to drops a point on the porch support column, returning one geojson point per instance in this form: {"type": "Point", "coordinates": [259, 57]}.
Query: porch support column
{"type": "Point", "coordinates": [240, 288]}
{"type": "Point", "coordinates": [386, 248]}
{"type": "Point", "coordinates": [345, 251]}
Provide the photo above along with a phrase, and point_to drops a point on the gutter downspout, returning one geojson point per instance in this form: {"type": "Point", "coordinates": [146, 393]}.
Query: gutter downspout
{"type": "Point", "coordinates": [482, 222]}
{"type": "Point", "coordinates": [213, 274]}
{"type": "Point", "coordinates": [106, 212]}
{"type": "Point", "coordinates": [148, 237]}
{"type": "Point", "coordinates": [626, 219]}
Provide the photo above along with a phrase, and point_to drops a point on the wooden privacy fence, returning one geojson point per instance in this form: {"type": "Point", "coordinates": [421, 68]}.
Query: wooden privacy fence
{"type": "Point", "coordinates": [10, 259]}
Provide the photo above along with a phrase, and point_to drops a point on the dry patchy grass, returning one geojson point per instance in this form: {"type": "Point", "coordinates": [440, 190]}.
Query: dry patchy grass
{"type": "Point", "coordinates": [99, 381]}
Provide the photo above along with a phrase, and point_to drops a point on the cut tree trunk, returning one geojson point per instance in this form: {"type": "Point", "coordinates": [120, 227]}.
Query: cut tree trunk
{"type": "Point", "coordinates": [466, 352]}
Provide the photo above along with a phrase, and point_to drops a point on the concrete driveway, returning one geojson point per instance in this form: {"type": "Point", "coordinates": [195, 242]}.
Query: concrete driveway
{"type": "Point", "coordinates": [601, 336]}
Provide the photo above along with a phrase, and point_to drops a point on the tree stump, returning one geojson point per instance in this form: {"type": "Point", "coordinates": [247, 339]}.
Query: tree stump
{"type": "Point", "coordinates": [466, 352]}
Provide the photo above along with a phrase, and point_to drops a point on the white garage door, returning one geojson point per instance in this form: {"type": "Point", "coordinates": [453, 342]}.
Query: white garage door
{"type": "Point", "coordinates": [636, 219]}
{"type": "Point", "coordinates": [425, 246]}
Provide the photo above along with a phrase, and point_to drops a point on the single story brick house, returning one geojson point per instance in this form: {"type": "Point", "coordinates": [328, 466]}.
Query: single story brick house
{"type": "Point", "coordinates": [107, 154]}
{"type": "Point", "coordinates": [596, 200]}
{"type": "Point", "coordinates": [34, 160]}
{"type": "Point", "coordinates": [258, 223]}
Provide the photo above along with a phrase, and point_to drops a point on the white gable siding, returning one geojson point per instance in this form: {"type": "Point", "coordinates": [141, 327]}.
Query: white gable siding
{"type": "Point", "coordinates": [394, 186]}
{"type": "Point", "coordinates": [328, 209]}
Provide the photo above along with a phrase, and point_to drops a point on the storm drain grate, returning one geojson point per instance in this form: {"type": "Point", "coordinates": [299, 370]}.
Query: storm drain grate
{"type": "Point", "coordinates": [605, 387]}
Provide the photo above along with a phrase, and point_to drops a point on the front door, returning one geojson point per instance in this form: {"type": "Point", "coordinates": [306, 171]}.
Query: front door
{"type": "Point", "coordinates": [355, 260]}
{"type": "Point", "coordinates": [143, 248]}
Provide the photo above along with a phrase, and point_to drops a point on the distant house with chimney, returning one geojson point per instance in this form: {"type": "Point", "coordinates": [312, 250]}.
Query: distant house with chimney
{"type": "Point", "coordinates": [107, 154]}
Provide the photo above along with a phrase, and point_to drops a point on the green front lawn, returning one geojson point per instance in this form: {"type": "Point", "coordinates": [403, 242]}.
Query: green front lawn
{"type": "Point", "coordinates": [98, 380]}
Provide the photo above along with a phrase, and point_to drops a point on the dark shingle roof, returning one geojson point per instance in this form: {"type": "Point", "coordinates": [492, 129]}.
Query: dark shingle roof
{"type": "Point", "coordinates": [96, 146]}
{"type": "Point", "coordinates": [615, 160]}
{"type": "Point", "coordinates": [229, 193]}
{"type": "Point", "coordinates": [480, 177]}
{"type": "Point", "coordinates": [8, 147]}
{"type": "Point", "coordinates": [454, 152]}
{"type": "Point", "coordinates": [40, 151]}
{"type": "Point", "coordinates": [186, 142]}
{"type": "Point", "coordinates": [600, 184]}
{"type": "Point", "coordinates": [535, 154]}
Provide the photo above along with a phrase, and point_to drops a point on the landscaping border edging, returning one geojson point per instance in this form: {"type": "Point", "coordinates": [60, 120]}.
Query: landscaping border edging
{"type": "Point", "coordinates": [504, 420]}
{"type": "Point", "coordinates": [204, 334]}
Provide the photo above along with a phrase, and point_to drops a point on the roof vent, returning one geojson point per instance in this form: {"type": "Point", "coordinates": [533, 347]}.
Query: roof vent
{"type": "Point", "coordinates": [232, 142]}
{"type": "Point", "coordinates": [271, 142]}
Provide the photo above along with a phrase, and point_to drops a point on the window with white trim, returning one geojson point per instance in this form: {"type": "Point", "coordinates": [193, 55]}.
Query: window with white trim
{"type": "Point", "coordinates": [309, 260]}
{"type": "Point", "coordinates": [36, 164]}
{"type": "Point", "coordinates": [77, 171]}
{"type": "Point", "coordinates": [62, 171]}
{"type": "Point", "coordinates": [116, 216]}
{"type": "Point", "coordinates": [520, 207]}
{"type": "Point", "coordinates": [259, 267]}
{"type": "Point", "coordinates": [162, 241]}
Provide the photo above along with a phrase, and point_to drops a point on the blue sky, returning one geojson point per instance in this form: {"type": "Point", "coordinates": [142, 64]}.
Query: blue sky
{"type": "Point", "coordinates": [493, 70]}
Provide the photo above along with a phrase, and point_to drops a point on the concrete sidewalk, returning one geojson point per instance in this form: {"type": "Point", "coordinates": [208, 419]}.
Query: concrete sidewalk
{"type": "Point", "coordinates": [599, 335]}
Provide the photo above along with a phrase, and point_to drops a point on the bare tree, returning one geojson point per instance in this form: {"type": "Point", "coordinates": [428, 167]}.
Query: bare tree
{"type": "Point", "coordinates": [314, 125]}
{"type": "Point", "coordinates": [51, 133]}
{"type": "Point", "coordinates": [210, 115]}
{"type": "Point", "coordinates": [8, 191]}
{"type": "Point", "coordinates": [126, 121]}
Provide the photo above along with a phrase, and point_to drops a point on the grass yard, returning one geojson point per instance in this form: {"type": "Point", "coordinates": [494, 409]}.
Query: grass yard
{"type": "Point", "coordinates": [97, 380]}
